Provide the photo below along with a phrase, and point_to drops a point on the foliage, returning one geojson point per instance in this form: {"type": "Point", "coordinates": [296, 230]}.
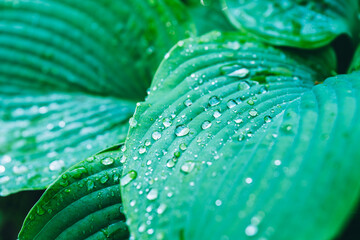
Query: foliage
{"type": "Point", "coordinates": [220, 119]}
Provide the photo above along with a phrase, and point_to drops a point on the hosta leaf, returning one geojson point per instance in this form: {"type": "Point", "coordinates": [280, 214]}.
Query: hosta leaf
{"type": "Point", "coordinates": [84, 203]}
{"type": "Point", "coordinates": [303, 23]}
{"type": "Point", "coordinates": [355, 64]}
{"type": "Point", "coordinates": [92, 45]}
{"type": "Point", "coordinates": [235, 142]}
{"type": "Point", "coordinates": [43, 134]}
{"type": "Point", "coordinates": [208, 17]}
{"type": "Point", "coordinates": [69, 75]}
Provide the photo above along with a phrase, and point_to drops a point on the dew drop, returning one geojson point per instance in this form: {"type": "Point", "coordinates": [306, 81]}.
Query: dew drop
{"type": "Point", "coordinates": [123, 159]}
{"type": "Point", "coordinates": [40, 211]}
{"type": "Point", "coordinates": [125, 180]}
{"type": "Point", "coordinates": [107, 161]}
{"type": "Point", "coordinates": [188, 166]}
{"type": "Point", "coordinates": [150, 231]}
{"type": "Point", "coordinates": [188, 102]}
{"type": "Point", "coordinates": [267, 119]}
{"type": "Point", "coordinates": [4, 179]}
{"type": "Point", "coordinates": [153, 194]}
{"type": "Point", "coordinates": [90, 185]}
{"type": "Point", "coordinates": [231, 103]}
{"type": "Point", "coordinates": [248, 180]}
{"type": "Point", "coordinates": [240, 73]}
{"type": "Point", "coordinates": [5, 159]}
{"type": "Point", "coordinates": [262, 90]}
{"type": "Point", "coordinates": [167, 55]}
{"type": "Point", "coordinates": [20, 169]}
{"type": "Point", "coordinates": [216, 114]}
{"type": "Point", "coordinates": [2, 169]}
{"type": "Point", "coordinates": [171, 163]}
{"type": "Point", "coordinates": [166, 122]}
{"type": "Point", "coordinates": [287, 128]}
{"type": "Point", "coordinates": [277, 162]}
{"type": "Point", "coordinates": [161, 209]}
{"type": "Point", "coordinates": [142, 228]}
{"type": "Point", "coordinates": [238, 120]}
{"type": "Point", "coordinates": [206, 125]}
{"type": "Point", "coordinates": [104, 179]}
{"type": "Point", "coordinates": [243, 86]}
{"type": "Point", "coordinates": [123, 148]}
{"type": "Point", "coordinates": [156, 135]}
{"type": "Point", "coordinates": [251, 230]}
{"type": "Point", "coordinates": [182, 130]}
{"type": "Point", "coordinates": [250, 102]}
{"type": "Point", "coordinates": [142, 150]}
{"type": "Point", "coordinates": [182, 146]}
{"type": "Point", "coordinates": [214, 100]}
{"type": "Point", "coordinates": [132, 122]}
{"type": "Point", "coordinates": [241, 137]}
{"type": "Point", "coordinates": [253, 113]}
{"type": "Point", "coordinates": [132, 203]}
{"type": "Point", "coordinates": [62, 124]}
{"type": "Point", "coordinates": [147, 142]}
{"type": "Point", "coordinates": [218, 202]}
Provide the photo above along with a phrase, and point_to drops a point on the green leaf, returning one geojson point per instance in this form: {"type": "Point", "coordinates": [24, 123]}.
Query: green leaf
{"type": "Point", "coordinates": [236, 142]}
{"type": "Point", "coordinates": [70, 74]}
{"type": "Point", "coordinates": [97, 46]}
{"type": "Point", "coordinates": [305, 23]}
{"type": "Point", "coordinates": [209, 17]}
{"type": "Point", "coordinates": [84, 203]}
{"type": "Point", "coordinates": [43, 134]}
{"type": "Point", "coordinates": [355, 63]}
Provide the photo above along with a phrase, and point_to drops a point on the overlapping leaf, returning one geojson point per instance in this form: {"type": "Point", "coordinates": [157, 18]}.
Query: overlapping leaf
{"type": "Point", "coordinates": [84, 203]}
{"type": "Point", "coordinates": [69, 75]}
{"type": "Point", "coordinates": [304, 23]}
{"type": "Point", "coordinates": [236, 141]}
{"type": "Point", "coordinates": [355, 64]}
{"type": "Point", "coordinates": [208, 17]}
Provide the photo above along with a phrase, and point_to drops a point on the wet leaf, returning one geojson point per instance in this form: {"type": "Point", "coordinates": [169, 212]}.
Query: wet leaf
{"type": "Point", "coordinates": [70, 74]}
{"type": "Point", "coordinates": [296, 23]}
{"type": "Point", "coordinates": [84, 203]}
{"type": "Point", "coordinates": [256, 151]}
{"type": "Point", "coordinates": [208, 16]}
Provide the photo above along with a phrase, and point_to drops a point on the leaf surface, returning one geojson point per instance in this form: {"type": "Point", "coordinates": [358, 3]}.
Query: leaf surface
{"type": "Point", "coordinates": [240, 140]}
{"type": "Point", "coordinates": [84, 203]}
{"type": "Point", "coordinates": [305, 24]}
{"type": "Point", "coordinates": [208, 17]}
{"type": "Point", "coordinates": [70, 74]}
{"type": "Point", "coordinates": [355, 63]}
{"type": "Point", "coordinates": [43, 134]}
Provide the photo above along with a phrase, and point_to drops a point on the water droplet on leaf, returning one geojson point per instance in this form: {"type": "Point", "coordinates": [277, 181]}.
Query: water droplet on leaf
{"type": "Point", "coordinates": [125, 180]}
{"type": "Point", "coordinates": [214, 100]}
{"type": "Point", "coordinates": [231, 103]}
{"type": "Point", "coordinates": [206, 125]}
{"type": "Point", "coordinates": [156, 135]}
{"type": "Point", "coordinates": [188, 166]}
{"type": "Point", "coordinates": [153, 194]}
{"type": "Point", "coordinates": [182, 130]}
{"type": "Point", "coordinates": [107, 161]}
{"type": "Point", "coordinates": [240, 73]}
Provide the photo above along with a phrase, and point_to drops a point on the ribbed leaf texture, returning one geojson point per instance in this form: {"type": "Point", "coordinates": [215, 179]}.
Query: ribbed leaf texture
{"type": "Point", "coordinates": [70, 74]}
{"type": "Point", "coordinates": [295, 23]}
{"type": "Point", "coordinates": [84, 203]}
{"type": "Point", "coordinates": [208, 16]}
{"type": "Point", "coordinates": [240, 140]}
